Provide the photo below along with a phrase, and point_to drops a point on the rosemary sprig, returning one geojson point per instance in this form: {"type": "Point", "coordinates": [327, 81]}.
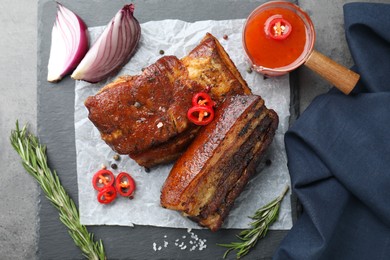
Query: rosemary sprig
{"type": "Point", "coordinates": [34, 160]}
{"type": "Point", "coordinates": [263, 219]}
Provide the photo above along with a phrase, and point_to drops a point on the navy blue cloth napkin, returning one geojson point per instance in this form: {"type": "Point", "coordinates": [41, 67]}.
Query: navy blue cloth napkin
{"type": "Point", "coordinates": [339, 154]}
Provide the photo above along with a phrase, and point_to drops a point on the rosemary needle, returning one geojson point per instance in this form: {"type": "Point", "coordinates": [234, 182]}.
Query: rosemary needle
{"type": "Point", "coordinates": [262, 220]}
{"type": "Point", "coordinates": [34, 160]}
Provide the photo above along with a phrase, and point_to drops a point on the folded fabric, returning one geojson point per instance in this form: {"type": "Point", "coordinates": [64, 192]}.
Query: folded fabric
{"type": "Point", "coordinates": [339, 154]}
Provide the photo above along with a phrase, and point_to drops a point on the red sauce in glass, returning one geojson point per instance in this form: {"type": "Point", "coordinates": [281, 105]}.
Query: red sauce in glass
{"type": "Point", "coordinates": [267, 52]}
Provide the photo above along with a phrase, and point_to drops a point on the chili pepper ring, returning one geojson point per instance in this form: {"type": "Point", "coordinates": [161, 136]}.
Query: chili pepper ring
{"type": "Point", "coordinates": [102, 179]}
{"type": "Point", "coordinates": [202, 99]}
{"type": "Point", "coordinates": [277, 27]}
{"type": "Point", "coordinates": [200, 115]}
{"type": "Point", "coordinates": [202, 111]}
{"type": "Point", "coordinates": [107, 195]}
{"type": "Point", "coordinates": [125, 184]}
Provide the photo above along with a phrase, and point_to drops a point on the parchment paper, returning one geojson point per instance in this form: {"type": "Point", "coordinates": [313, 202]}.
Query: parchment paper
{"type": "Point", "coordinates": [178, 38]}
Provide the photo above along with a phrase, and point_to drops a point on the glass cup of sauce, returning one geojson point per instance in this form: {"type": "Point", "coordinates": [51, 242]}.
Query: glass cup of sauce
{"type": "Point", "coordinates": [279, 36]}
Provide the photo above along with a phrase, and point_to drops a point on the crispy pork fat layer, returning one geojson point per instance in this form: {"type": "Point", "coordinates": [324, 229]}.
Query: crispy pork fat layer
{"type": "Point", "coordinates": [144, 116]}
{"type": "Point", "coordinates": [212, 172]}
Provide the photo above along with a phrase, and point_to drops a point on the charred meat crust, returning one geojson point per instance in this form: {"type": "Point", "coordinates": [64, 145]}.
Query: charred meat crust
{"type": "Point", "coordinates": [231, 150]}
{"type": "Point", "coordinates": [232, 170]}
{"type": "Point", "coordinates": [207, 178]}
{"type": "Point", "coordinates": [214, 220]}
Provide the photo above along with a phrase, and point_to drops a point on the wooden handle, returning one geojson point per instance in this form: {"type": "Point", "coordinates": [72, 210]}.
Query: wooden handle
{"type": "Point", "coordinates": [341, 77]}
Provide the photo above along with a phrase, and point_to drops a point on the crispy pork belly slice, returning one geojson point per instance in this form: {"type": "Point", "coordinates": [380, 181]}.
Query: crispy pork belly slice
{"type": "Point", "coordinates": [144, 116]}
{"type": "Point", "coordinates": [134, 114]}
{"type": "Point", "coordinates": [167, 151]}
{"type": "Point", "coordinates": [213, 171]}
{"type": "Point", "coordinates": [210, 65]}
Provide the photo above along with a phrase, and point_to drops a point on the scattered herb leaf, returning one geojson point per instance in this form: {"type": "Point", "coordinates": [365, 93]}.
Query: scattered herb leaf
{"type": "Point", "coordinates": [263, 219]}
{"type": "Point", "coordinates": [34, 160]}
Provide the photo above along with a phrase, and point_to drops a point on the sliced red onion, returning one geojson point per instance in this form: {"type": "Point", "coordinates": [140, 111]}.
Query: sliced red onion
{"type": "Point", "coordinates": [113, 49]}
{"type": "Point", "coordinates": [69, 44]}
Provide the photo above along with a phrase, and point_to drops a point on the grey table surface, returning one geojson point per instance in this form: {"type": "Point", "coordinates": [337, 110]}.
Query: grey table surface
{"type": "Point", "coordinates": [19, 219]}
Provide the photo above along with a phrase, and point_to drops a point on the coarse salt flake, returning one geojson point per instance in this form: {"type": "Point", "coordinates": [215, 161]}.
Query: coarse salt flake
{"type": "Point", "coordinates": [190, 243]}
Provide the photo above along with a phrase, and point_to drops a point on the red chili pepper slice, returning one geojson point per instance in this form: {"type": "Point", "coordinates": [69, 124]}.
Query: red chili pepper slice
{"type": "Point", "coordinates": [200, 115]}
{"type": "Point", "coordinates": [106, 195]}
{"type": "Point", "coordinates": [202, 99]}
{"type": "Point", "coordinates": [279, 28]}
{"type": "Point", "coordinates": [125, 184]}
{"type": "Point", "coordinates": [102, 178]}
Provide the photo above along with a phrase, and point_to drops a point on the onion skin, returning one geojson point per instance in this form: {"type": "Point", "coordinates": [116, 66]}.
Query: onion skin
{"type": "Point", "coordinates": [113, 49]}
{"type": "Point", "coordinates": [69, 44]}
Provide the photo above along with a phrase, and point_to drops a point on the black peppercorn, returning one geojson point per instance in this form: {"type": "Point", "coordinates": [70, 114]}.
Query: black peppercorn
{"type": "Point", "coordinates": [161, 52]}
{"type": "Point", "coordinates": [114, 166]}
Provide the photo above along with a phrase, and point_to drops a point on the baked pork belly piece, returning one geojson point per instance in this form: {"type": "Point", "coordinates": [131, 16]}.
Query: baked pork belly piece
{"type": "Point", "coordinates": [145, 116]}
{"type": "Point", "coordinates": [205, 181]}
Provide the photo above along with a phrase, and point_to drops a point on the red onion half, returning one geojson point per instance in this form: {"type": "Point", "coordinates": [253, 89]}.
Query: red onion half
{"type": "Point", "coordinates": [69, 44]}
{"type": "Point", "coordinates": [113, 49]}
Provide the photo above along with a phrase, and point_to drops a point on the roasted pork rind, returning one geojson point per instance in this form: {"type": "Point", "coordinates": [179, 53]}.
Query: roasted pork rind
{"type": "Point", "coordinates": [205, 181]}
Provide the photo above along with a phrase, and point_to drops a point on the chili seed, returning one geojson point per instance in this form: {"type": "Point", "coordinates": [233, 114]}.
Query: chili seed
{"type": "Point", "coordinates": [116, 157]}
{"type": "Point", "coordinates": [225, 36]}
{"type": "Point", "coordinates": [114, 166]}
{"type": "Point", "coordinates": [161, 52]}
{"type": "Point", "coordinates": [103, 166]}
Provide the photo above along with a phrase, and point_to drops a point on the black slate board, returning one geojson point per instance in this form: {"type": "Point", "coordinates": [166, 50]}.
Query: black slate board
{"type": "Point", "coordinates": [56, 130]}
